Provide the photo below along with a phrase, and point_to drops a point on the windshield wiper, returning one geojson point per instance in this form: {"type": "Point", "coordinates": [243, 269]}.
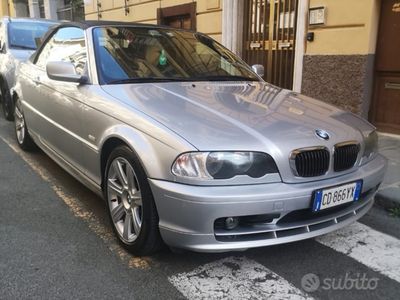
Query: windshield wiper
{"type": "Point", "coordinates": [225, 78]}
{"type": "Point", "coordinates": [182, 79]}
{"type": "Point", "coordinates": [22, 47]}
{"type": "Point", "coordinates": [148, 79]}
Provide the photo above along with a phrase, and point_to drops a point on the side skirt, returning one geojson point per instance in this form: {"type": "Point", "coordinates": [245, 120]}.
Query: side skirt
{"type": "Point", "coordinates": [73, 171]}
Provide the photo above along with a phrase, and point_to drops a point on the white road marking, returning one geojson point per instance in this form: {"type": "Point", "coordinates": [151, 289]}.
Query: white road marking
{"type": "Point", "coordinates": [235, 278]}
{"type": "Point", "coordinates": [376, 250]}
{"type": "Point", "coordinates": [80, 211]}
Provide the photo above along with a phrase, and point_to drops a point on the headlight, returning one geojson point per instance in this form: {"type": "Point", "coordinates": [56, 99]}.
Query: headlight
{"type": "Point", "coordinates": [223, 165]}
{"type": "Point", "coordinates": [371, 145]}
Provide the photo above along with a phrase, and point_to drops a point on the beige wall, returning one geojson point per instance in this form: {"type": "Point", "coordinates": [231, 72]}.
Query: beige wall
{"type": "Point", "coordinates": [7, 8]}
{"type": "Point", "coordinates": [350, 28]}
{"type": "Point", "coordinates": [209, 12]}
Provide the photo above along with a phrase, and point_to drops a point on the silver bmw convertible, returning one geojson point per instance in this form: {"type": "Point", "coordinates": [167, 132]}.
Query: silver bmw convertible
{"type": "Point", "coordinates": [186, 142]}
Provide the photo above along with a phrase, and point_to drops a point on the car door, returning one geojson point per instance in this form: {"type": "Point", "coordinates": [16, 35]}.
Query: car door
{"type": "Point", "coordinates": [58, 103]}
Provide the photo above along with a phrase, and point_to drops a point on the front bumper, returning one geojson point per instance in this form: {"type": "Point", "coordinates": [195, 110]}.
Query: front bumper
{"type": "Point", "coordinates": [188, 213]}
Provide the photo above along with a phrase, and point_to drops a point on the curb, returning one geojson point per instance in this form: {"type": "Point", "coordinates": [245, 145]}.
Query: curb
{"type": "Point", "coordinates": [388, 198]}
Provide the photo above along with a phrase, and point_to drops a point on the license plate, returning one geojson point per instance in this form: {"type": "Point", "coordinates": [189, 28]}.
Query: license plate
{"type": "Point", "coordinates": [334, 196]}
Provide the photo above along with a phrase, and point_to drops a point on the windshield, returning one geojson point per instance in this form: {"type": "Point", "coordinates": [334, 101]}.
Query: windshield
{"type": "Point", "coordinates": [26, 35]}
{"type": "Point", "coordinates": [135, 54]}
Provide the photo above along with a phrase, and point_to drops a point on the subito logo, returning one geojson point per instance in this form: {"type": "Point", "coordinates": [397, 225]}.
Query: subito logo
{"type": "Point", "coordinates": [310, 282]}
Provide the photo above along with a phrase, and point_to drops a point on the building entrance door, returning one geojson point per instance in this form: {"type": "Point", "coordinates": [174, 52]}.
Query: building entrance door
{"type": "Point", "coordinates": [385, 109]}
{"type": "Point", "coordinates": [270, 35]}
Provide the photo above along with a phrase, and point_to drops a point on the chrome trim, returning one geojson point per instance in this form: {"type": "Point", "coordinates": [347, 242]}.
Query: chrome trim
{"type": "Point", "coordinates": [346, 144]}
{"type": "Point", "coordinates": [294, 153]}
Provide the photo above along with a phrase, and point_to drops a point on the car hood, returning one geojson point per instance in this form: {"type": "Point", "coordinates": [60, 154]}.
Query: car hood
{"type": "Point", "coordinates": [241, 116]}
{"type": "Point", "coordinates": [223, 116]}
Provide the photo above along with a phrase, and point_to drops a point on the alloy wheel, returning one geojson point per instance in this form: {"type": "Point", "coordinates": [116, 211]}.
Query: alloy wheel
{"type": "Point", "coordinates": [124, 199]}
{"type": "Point", "coordinates": [19, 125]}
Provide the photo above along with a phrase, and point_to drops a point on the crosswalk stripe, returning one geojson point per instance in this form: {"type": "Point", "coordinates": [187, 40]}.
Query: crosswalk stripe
{"type": "Point", "coordinates": [235, 278]}
{"type": "Point", "coordinates": [372, 248]}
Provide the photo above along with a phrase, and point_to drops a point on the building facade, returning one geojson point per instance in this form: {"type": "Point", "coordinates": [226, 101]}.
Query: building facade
{"type": "Point", "coordinates": [56, 9]}
{"type": "Point", "coordinates": [203, 15]}
{"type": "Point", "coordinates": [345, 52]}
{"type": "Point", "coordinates": [48, 9]}
{"type": "Point", "coordinates": [14, 8]}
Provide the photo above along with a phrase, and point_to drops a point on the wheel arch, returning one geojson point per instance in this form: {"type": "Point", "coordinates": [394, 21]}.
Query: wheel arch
{"type": "Point", "coordinates": [155, 157]}
{"type": "Point", "coordinates": [107, 148]}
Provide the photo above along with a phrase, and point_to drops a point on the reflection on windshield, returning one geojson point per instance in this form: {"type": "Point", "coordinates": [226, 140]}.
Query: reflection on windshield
{"type": "Point", "coordinates": [134, 54]}
{"type": "Point", "coordinates": [24, 35]}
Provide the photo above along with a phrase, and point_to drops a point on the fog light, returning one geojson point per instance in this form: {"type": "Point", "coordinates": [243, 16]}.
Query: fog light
{"type": "Point", "coordinates": [231, 223]}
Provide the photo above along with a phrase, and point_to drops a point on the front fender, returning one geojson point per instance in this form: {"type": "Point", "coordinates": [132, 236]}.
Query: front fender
{"type": "Point", "coordinates": [156, 156]}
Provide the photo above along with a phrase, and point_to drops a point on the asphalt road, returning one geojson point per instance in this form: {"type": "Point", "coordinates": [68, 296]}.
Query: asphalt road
{"type": "Point", "coordinates": [56, 243]}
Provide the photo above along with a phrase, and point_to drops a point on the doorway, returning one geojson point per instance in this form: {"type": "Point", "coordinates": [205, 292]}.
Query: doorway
{"type": "Point", "coordinates": [385, 108]}
{"type": "Point", "coordinates": [270, 38]}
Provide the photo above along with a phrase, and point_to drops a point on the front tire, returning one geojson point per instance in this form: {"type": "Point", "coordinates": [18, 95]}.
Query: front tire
{"type": "Point", "coordinates": [24, 140]}
{"type": "Point", "coordinates": [130, 202]}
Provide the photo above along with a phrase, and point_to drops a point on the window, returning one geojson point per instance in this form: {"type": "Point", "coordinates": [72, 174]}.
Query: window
{"type": "Point", "coordinates": [25, 35]}
{"type": "Point", "coordinates": [67, 44]}
{"type": "Point", "coordinates": [125, 53]}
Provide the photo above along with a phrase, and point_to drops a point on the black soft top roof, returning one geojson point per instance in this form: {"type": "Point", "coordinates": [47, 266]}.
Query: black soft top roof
{"type": "Point", "coordinates": [89, 23]}
{"type": "Point", "coordinates": [94, 23]}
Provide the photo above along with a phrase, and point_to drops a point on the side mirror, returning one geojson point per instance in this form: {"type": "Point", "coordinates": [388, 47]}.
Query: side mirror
{"type": "Point", "coordinates": [63, 71]}
{"type": "Point", "coordinates": [258, 69]}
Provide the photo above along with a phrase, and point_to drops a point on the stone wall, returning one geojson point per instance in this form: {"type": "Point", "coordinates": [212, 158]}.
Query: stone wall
{"type": "Point", "coordinates": [341, 80]}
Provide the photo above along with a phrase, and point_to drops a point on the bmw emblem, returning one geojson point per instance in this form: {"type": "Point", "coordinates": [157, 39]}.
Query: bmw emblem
{"type": "Point", "coordinates": [322, 134]}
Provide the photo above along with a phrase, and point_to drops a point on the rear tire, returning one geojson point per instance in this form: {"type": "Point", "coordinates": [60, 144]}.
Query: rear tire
{"type": "Point", "coordinates": [6, 103]}
{"type": "Point", "coordinates": [130, 202]}
{"type": "Point", "coordinates": [24, 140]}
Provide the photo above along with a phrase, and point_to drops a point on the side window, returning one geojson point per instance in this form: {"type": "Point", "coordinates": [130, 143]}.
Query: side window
{"type": "Point", "coordinates": [67, 44]}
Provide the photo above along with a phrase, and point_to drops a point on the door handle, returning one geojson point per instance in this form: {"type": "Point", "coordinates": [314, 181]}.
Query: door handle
{"type": "Point", "coordinates": [392, 86]}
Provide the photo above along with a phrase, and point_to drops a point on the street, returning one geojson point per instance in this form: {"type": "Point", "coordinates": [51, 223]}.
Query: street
{"type": "Point", "coordinates": [56, 242]}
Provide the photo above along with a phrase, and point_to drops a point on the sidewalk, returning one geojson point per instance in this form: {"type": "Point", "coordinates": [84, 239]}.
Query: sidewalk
{"type": "Point", "coordinates": [388, 195]}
